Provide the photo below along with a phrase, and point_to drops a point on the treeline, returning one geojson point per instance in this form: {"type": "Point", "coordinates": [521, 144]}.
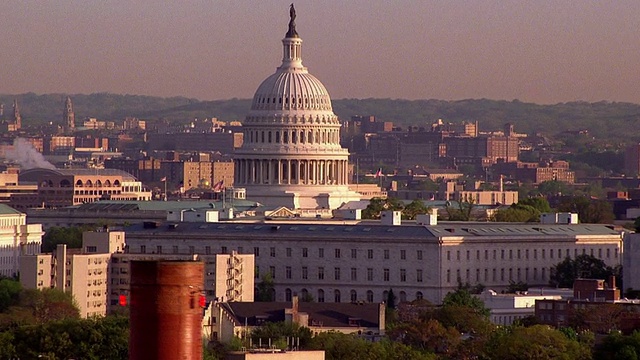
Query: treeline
{"type": "Point", "coordinates": [604, 120]}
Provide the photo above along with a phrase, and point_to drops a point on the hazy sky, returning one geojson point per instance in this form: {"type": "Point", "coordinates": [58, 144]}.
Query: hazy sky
{"type": "Point", "coordinates": [536, 51]}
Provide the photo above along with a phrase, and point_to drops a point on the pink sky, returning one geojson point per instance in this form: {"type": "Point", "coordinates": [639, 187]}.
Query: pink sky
{"type": "Point", "coordinates": [536, 51]}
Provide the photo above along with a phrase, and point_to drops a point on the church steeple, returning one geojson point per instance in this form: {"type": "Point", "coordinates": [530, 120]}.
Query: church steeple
{"type": "Point", "coordinates": [69, 117]}
{"type": "Point", "coordinates": [17, 118]}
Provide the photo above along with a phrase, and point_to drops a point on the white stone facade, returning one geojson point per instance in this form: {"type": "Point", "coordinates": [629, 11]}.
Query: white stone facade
{"type": "Point", "coordinates": [291, 155]}
{"type": "Point", "coordinates": [348, 261]}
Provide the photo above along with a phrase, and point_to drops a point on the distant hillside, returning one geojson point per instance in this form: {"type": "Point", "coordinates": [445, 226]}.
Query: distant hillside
{"type": "Point", "coordinates": [604, 120]}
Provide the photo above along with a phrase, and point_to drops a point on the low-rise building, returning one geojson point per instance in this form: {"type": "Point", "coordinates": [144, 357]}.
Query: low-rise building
{"type": "Point", "coordinates": [226, 320]}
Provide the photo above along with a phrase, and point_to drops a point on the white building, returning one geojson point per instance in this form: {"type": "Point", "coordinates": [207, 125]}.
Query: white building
{"type": "Point", "coordinates": [291, 155]}
{"type": "Point", "coordinates": [351, 260]}
{"type": "Point", "coordinates": [82, 272]}
{"type": "Point", "coordinates": [507, 308]}
{"type": "Point", "coordinates": [16, 239]}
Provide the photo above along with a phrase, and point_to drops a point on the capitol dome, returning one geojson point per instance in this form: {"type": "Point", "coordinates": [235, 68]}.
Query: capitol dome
{"type": "Point", "coordinates": [291, 154]}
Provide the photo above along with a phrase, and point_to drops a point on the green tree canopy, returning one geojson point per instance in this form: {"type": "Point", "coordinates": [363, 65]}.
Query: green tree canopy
{"type": "Point", "coordinates": [265, 289]}
{"type": "Point", "coordinates": [462, 297]}
{"type": "Point", "coordinates": [589, 211]}
{"type": "Point", "coordinates": [535, 342]}
{"type": "Point", "coordinates": [72, 236]}
{"type": "Point", "coordinates": [416, 207]}
{"type": "Point", "coordinates": [378, 205]}
{"type": "Point", "coordinates": [584, 266]}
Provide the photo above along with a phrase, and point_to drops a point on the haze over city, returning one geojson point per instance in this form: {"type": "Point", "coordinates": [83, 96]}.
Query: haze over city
{"type": "Point", "coordinates": [542, 51]}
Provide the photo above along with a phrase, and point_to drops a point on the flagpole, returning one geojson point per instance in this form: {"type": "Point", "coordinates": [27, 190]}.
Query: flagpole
{"type": "Point", "coordinates": [165, 189]}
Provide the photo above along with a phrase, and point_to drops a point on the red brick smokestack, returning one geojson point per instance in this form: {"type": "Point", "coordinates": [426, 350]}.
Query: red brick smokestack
{"type": "Point", "coordinates": [165, 310]}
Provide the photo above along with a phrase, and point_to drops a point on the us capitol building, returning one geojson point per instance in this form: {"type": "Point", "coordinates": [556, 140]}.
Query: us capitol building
{"type": "Point", "coordinates": [291, 154]}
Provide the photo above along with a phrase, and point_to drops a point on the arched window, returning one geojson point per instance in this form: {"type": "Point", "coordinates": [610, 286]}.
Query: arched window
{"type": "Point", "coordinates": [107, 183]}
{"type": "Point", "coordinates": [277, 137]}
{"type": "Point", "coordinates": [294, 139]}
{"type": "Point", "coordinates": [310, 137]}
{"type": "Point", "coordinates": [419, 295]}
{"type": "Point", "coordinates": [354, 296]}
{"type": "Point", "coordinates": [98, 183]}
{"type": "Point", "coordinates": [287, 295]}
{"type": "Point", "coordinates": [385, 296]}
{"type": "Point", "coordinates": [369, 296]}
{"type": "Point", "coordinates": [116, 183]}
{"type": "Point", "coordinates": [88, 183]}
{"type": "Point", "coordinates": [285, 137]}
{"type": "Point", "coordinates": [79, 183]}
{"type": "Point", "coordinates": [65, 183]}
{"type": "Point", "coordinates": [304, 295]}
{"type": "Point", "coordinates": [269, 137]}
{"type": "Point", "coordinates": [301, 137]}
{"type": "Point", "coordinates": [403, 296]}
{"type": "Point", "coordinates": [320, 296]}
{"type": "Point", "coordinates": [336, 296]}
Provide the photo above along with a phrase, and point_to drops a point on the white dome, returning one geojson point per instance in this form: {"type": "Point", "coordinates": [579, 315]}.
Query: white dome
{"type": "Point", "coordinates": [291, 89]}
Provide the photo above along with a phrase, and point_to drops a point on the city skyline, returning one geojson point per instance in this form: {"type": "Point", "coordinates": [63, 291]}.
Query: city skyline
{"type": "Point", "coordinates": [542, 52]}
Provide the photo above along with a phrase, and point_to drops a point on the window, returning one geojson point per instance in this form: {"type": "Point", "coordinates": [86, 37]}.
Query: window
{"type": "Point", "coordinates": [419, 275]}
{"type": "Point", "coordinates": [510, 274]}
{"type": "Point", "coordinates": [526, 254]}
{"type": "Point", "coordinates": [486, 275]}
{"type": "Point", "coordinates": [403, 275]}
{"type": "Point", "coordinates": [477, 254]}
{"type": "Point", "coordinates": [91, 249]}
{"type": "Point", "coordinates": [448, 276]}
{"type": "Point", "coordinates": [502, 254]}
{"type": "Point", "coordinates": [370, 254]}
{"type": "Point", "coordinates": [478, 275]}
{"type": "Point", "coordinates": [175, 249]}
{"type": "Point", "coordinates": [369, 274]}
{"type": "Point", "coordinates": [458, 255]}
{"type": "Point", "coordinates": [493, 274]}
{"type": "Point", "coordinates": [403, 254]}
{"type": "Point", "coordinates": [288, 252]}
{"type": "Point", "coordinates": [448, 255]}
{"type": "Point", "coordinates": [320, 296]}
{"type": "Point", "coordinates": [272, 252]}
{"type": "Point", "coordinates": [159, 249]}
{"type": "Point", "coordinates": [287, 295]}
{"type": "Point", "coordinates": [224, 249]}
{"type": "Point", "coordinates": [354, 253]}
{"type": "Point", "coordinates": [305, 252]}
{"type": "Point", "coordinates": [369, 296]}
{"type": "Point", "coordinates": [336, 296]}
{"type": "Point", "coordinates": [337, 253]}
{"type": "Point", "coordinates": [321, 273]}
{"type": "Point", "coordinates": [419, 254]}
{"type": "Point", "coordinates": [486, 254]}
{"type": "Point", "coordinates": [419, 295]}
{"type": "Point", "coordinates": [385, 274]}
{"type": "Point", "coordinates": [272, 271]}
{"type": "Point", "coordinates": [256, 251]}
{"type": "Point", "coordinates": [143, 250]}
{"type": "Point", "coordinates": [608, 253]}
{"type": "Point", "coordinates": [354, 274]}
{"type": "Point", "coordinates": [354, 296]}
{"type": "Point", "coordinates": [502, 274]}
{"type": "Point", "coordinates": [336, 273]}
{"type": "Point", "coordinates": [543, 253]}
{"type": "Point", "coordinates": [494, 254]}
{"type": "Point", "coordinates": [518, 253]}
{"type": "Point", "coordinates": [510, 254]}
{"type": "Point", "coordinates": [321, 253]}
{"type": "Point", "coordinates": [287, 272]}
{"type": "Point", "coordinates": [468, 255]}
{"type": "Point", "coordinates": [386, 254]}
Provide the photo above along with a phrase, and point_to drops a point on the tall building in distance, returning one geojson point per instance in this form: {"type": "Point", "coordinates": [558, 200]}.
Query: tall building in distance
{"type": "Point", "coordinates": [69, 117]}
{"type": "Point", "coordinates": [291, 155]}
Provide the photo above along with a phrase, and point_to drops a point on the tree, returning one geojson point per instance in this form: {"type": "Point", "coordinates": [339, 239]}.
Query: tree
{"type": "Point", "coordinates": [539, 203]}
{"type": "Point", "coordinates": [515, 287]}
{"type": "Point", "coordinates": [535, 342]}
{"type": "Point", "coordinates": [9, 293]}
{"type": "Point", "coordinates": [462, 213]}
{"type": "Point", "coordinates": [552, 187]}
{"type": "Point", "coordinates": [517, 213]}
{"type": "Point", "coordinates": [391, 299]}
{"type": "Point", "coordinates": [589, 211]}
{"type": "Point", "coordinates": [462, 297]}
{"type": "Point", "coordinates": [586, 266]}
{"type": "Point", "coordinates": [416, 207]}
{"type": "Point", "coordinates": [72, 236]}
{"type": "Point", "coordinates": [280, 331]}
{"type": "Point", "coordinates": [378, 205]}
{"type": "Point", "coordinates": [265, 289]}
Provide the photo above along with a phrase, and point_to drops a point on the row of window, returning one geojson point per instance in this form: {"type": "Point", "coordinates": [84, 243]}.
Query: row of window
{"type": "Point", "coordinates": [303, 252]}
{"type": "Point", "coordinates": [294, 137]}
{"type": "Point", "coordinates": [526, 253]}
{"type": "Point", "coordinates": [320, 296]}
{"type": "Point", "coordinates": [337, 274]}
{"type": "Point", "coordinates": [494, 275]}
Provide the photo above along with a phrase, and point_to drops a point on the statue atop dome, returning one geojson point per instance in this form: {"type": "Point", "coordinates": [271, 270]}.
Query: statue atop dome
{"type": "Point", "coordinates": [292, 33]}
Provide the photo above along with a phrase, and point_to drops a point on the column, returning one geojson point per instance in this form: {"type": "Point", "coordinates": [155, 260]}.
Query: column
{"type": "Point", "coordinates": [288, 172]}
{"type": "Point", "coordinates": [279, 173]}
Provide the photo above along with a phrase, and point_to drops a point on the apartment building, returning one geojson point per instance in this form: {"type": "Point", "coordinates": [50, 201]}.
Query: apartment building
{"type": "Point", "coordinates": [82, 272]}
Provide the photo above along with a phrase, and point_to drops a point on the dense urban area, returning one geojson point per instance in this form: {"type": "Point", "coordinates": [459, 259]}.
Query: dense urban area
{"type": "Point", "coordinates": [292, 225]}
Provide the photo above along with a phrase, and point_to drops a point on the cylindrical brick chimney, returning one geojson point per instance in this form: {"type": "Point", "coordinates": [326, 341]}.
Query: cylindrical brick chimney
{"type": "Point", "coordinates": [165, 310]}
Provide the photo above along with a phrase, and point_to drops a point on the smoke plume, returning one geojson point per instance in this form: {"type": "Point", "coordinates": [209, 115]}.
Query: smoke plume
{"type": "Point", "coordinates": [26, 155]}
